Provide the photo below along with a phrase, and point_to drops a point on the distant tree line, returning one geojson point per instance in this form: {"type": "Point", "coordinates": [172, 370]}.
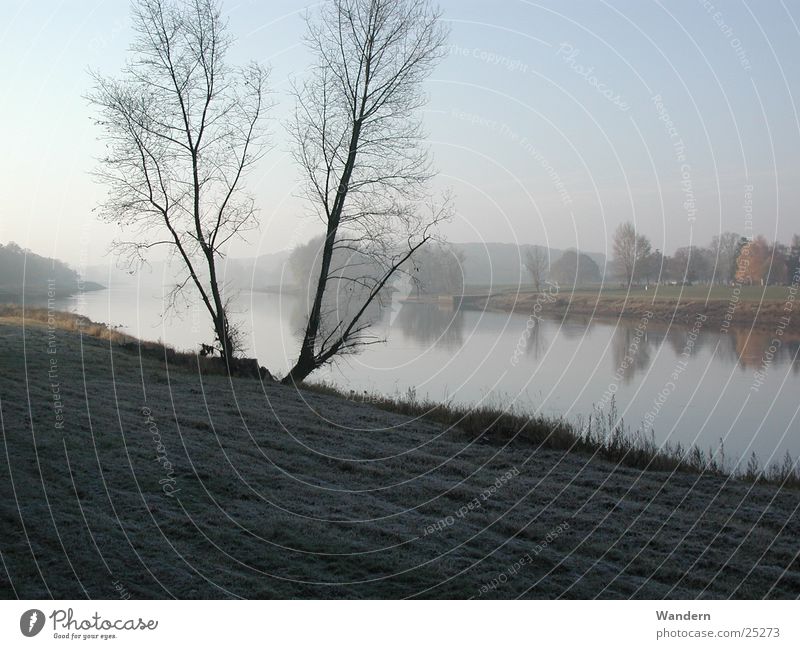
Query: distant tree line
{"type": "Point", "coordinates": [24, 271]}
{"type": "Point", "coordinates": [728, 258]}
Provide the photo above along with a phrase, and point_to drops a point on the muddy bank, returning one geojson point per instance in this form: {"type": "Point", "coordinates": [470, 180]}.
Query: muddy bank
{"type": "Point", "coordinates": [721, 314]}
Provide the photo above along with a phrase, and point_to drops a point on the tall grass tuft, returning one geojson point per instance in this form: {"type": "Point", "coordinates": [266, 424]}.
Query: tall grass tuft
{"type": "Point", "coordinates": [603, 434]}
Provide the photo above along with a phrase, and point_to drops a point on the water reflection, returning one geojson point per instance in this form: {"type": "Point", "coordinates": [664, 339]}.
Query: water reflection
{"type": "Point", "coordinates": [431, 324]}
{"type": "Point", "coordinates": [750, 348]}
{"type": "Point", "coordinates": [630, 350]}
{"type": "Point", "coordinates": [680, 339]}
{"type": "Point", "coordinates": [576, 327]}
{"type": "Point", "coordinates": [633, 349]}
{"type": "Point", "coordinates": [633, 345]}
{"type": "Point", "coordinates": [537, 343]}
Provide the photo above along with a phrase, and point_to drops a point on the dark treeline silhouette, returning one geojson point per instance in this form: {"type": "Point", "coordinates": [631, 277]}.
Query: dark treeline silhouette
{"type": "Point", "coordinates": [25, 272]}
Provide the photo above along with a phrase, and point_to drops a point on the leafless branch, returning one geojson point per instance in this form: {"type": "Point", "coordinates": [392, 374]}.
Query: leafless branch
{"type": "Point", "coordinates": [182, 129]}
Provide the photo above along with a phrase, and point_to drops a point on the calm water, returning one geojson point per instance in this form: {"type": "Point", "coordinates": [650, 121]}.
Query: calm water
{"type": "Point", "coordinates": [693, 387]}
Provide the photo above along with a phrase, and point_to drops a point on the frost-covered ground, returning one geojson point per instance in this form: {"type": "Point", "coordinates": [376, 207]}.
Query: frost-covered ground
{"type": "Point", "coordinates": [166, 484]}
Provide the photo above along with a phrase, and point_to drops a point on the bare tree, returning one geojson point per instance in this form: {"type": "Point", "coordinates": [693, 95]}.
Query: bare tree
{"type": "Point", "coordinates": [359, 143]}
{"type": "Point", "coordinates": [724, 248]}
{"type": "Point", "coordinates": [182, 130]}
{"type": "Point", "coordinates": [691, 264]}
{"type": "Point", "coordinates": [537, 262]}
{"type": "Point", "coordinates": [631, 252]}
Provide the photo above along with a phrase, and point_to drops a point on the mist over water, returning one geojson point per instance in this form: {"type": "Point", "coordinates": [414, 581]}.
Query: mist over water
{"type": "Point", "coordinates": [567, 369]}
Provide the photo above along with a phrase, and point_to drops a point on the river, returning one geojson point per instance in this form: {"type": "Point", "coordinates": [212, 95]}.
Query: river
{"type": "Point", "coordinates": [690, 385]}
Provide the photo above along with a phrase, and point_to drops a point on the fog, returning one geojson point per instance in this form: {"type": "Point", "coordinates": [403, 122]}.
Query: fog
{"type": "Point", "coordinates": [551, 123]}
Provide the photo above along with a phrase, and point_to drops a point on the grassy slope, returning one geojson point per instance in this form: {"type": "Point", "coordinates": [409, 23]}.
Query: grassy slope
{"type": "Point", "coordinates": [287, 494]}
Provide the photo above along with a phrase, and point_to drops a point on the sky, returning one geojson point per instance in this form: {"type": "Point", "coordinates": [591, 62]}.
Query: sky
{"type": "Point", "coordinates": [551, 122]}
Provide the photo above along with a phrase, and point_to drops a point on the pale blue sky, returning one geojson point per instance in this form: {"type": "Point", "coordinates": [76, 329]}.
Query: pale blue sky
{"type": "Point", "coordinates": [533, 150]}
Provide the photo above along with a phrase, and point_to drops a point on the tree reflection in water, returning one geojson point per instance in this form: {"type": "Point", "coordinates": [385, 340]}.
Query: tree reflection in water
{"type": "Point", "coordinates": [431, 324]}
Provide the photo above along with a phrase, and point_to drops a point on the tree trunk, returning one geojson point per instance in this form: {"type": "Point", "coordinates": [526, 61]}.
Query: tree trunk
{"type": "Point", "coordinates": [306, 362]}
{"type": "Point", "coordinates": [220, 317]}
{"type": "Point", "coordinates": [299, 372]}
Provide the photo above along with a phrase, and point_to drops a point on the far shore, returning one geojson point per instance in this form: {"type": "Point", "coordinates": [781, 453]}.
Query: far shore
{"type": "Point", "coordinates": [16, 294]}
{"type": "Point", "coordinates": [764, 308]}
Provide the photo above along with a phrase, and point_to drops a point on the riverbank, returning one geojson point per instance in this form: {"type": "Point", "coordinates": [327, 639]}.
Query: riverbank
{"type": "Point", "coordinates": [756, 307]}
{"type": "Point", "coordinates": [40, 294]}
{"type": "Point", "coordinates": [119, 469]}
